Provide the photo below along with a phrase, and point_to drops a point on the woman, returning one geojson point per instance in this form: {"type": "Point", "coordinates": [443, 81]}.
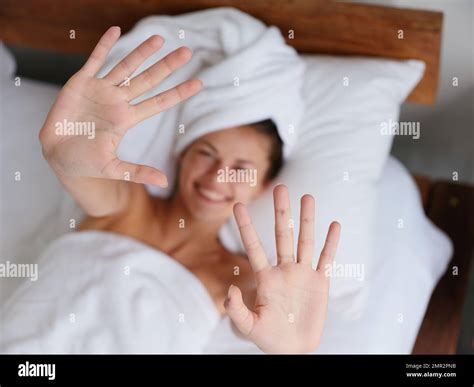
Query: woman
{"type": "Point", "coordinates": [290, 299]}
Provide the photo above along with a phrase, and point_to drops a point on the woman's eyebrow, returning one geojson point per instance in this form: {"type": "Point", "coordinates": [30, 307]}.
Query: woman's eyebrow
{"type": "Point", "coordinates": [241, 161]}
{"type": "Point", "coordinates": [210, 145]}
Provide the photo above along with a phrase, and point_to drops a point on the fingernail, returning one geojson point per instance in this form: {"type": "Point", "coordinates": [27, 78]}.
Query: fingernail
{"type": "Point", "coordinates": [230, 288]}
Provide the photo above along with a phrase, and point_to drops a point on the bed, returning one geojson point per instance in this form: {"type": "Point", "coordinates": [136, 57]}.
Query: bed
{"type": "Point", "coordinates": [320, 26]}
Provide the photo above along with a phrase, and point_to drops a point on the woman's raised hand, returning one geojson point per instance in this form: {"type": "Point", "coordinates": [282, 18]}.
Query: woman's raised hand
{"type": "Point", "coordinates": [291, 303]}
{"type": "Point", "coordinates": [104, 104]}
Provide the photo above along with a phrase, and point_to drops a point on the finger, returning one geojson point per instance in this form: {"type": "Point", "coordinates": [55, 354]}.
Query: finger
{"type": "Point", "coordinates": [253, 247]}
{"type": "Point", "coordinates": [156, 73]}
{"type": "Point", "coordinates": [166, 100]}
{"type": "Point", "coordinates": [305, 250]}
{"type": "Point", "coordinates": [128, 65]}
{"type": "Point", "coordinates": [330, 246]}
{"type": "Point", "coordinates": [242, 317]}
{"type": "Point", "coordinates": [143, 174]}
{"type": "Point", "coordinates": [101, 50]}
{"type": "Point", "coordinates": [283, 227]}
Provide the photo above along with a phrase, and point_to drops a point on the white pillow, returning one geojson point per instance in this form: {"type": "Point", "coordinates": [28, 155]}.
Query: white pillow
{"type": "Point", "coordinates": [339, 157]}
{"type": "Point", "coordinates": [29, 190]}
{"type": "Point", "coordinates": [398, 296]}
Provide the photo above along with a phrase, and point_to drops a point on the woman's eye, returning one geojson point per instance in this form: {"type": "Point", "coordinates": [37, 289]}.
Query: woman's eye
{"type": "Point", "coordinates": [205, 153]}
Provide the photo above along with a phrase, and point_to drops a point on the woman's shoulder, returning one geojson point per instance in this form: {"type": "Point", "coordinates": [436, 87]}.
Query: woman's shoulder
{"type": "Point", "coordinates": [140, 202]}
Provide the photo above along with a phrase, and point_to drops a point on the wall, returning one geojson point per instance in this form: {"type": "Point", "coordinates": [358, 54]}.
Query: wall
{"type": "Point", "coordinates": [447, 129]}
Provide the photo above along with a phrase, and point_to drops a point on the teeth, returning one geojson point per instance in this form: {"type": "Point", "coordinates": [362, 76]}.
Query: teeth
{"type": "Point", "coordinates": [211, 195]}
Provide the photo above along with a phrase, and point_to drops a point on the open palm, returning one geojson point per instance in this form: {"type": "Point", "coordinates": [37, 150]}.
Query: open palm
{"type": "Point", "coordinates": [290, 307]}
{"type": "Point", "coordinates": [105, 105]}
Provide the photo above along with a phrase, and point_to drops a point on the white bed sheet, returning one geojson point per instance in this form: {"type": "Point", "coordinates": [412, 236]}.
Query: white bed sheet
{"type": "Point", "coordinates": [35, 210]}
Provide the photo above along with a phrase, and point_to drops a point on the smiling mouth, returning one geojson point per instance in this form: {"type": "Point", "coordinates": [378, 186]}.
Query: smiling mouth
{"type": "Point", "coordinates": [210, 196]}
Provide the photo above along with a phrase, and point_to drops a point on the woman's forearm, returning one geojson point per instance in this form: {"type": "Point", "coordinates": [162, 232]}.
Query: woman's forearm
{"type": "Point", "coordinates": [98, 197]}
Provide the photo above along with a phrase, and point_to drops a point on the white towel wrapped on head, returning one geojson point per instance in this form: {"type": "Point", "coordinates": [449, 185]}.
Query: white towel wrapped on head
{"type": "Point", "coordinates": [249, 74]}
{"type": "Point", "coordinates": [250, 83]}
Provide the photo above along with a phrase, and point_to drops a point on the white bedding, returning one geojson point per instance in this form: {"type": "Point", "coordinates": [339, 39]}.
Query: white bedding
{"type": "Point", "coordinates": [401, 289]}
{"type": "Point", "coordinates": [34, 210]}
{"type": "Point", "coordinates": [99, 292]}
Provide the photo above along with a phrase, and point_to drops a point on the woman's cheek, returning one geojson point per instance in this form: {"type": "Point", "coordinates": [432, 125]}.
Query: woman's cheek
{"type": "Point", "coordinates": [197, 166]}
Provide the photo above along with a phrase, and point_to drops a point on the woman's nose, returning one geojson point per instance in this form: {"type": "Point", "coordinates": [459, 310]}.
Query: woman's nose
{"type": "Point", "coordinates": [216, 169]}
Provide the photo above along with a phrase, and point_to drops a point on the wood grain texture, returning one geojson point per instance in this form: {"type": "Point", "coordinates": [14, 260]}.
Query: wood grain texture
{"type": "Point", "coordinates": [451, 207]}
{"type": "Point", "coordinates": [424, 187]}
{"type": "Point", "coordinates": [320, 26]}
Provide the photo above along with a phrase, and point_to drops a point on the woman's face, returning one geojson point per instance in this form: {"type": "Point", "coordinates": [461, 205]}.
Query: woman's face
{"type": "Point", "coordinates": [222, 168]}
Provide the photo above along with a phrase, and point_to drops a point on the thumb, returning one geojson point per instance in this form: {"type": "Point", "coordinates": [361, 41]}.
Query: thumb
{"type": "Point", "coordinates": [137, 173]}
{"type": "Point", "coordinates": [241, 316]}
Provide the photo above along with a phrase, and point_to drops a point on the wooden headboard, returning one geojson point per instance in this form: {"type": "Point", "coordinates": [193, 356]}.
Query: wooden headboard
{"type": "Point", "coordinates": [319, 26]}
